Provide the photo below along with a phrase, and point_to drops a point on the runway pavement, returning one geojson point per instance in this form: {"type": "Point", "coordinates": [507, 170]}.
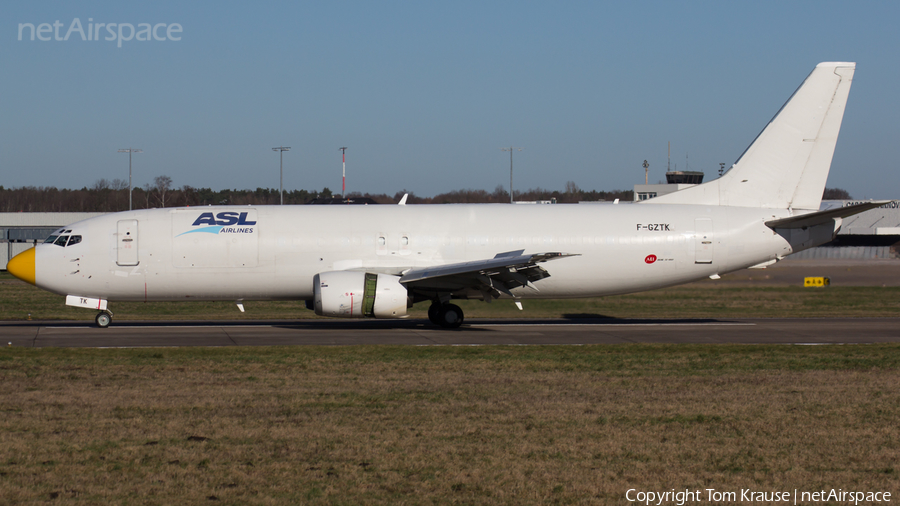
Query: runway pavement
{"type": "Point", "coordinates": [474, 332]}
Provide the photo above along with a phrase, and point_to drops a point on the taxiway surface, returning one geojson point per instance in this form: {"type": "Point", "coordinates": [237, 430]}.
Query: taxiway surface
{"type": "Point", "coordinates": [474, 332]}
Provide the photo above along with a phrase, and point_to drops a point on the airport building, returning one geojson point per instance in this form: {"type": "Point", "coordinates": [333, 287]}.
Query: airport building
{"type": "Point", "coordinates": [675, 180]}
{"type": "Point", "coordinates": [868, 235]}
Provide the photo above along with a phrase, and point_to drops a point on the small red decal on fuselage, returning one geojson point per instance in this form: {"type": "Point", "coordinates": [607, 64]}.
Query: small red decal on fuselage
{"type": "Point", "coordinates": [650, 259]}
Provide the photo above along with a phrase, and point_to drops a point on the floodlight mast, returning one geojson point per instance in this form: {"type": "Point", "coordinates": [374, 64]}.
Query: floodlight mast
{"type": "Point", "coordinates": [282, 149]}
{"type": "Point", "coordinates": [344, 172]}
{"type": "Point", "coordinates": [130, 186]}
{"type": "Point", "coordinates": [511, 149]}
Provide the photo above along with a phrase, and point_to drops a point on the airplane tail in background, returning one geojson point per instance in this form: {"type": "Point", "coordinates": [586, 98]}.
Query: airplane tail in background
{"type": "Point", "coordinates": [787, 165]}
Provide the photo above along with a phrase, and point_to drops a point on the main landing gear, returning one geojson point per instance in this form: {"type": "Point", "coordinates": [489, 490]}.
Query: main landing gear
{"type": "Point", "coordinates": [449, 316]}
{"type": "Point", "coordinates": [103, 319]}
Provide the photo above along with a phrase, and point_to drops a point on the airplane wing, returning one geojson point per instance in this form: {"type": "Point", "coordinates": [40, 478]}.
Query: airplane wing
{"type": "Point", "coordinates": [492, 277]}
{"type": "Point", "coordinates": [819, 217]}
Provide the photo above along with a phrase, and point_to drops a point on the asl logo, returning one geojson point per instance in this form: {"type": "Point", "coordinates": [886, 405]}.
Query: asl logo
{"type": "Point", "coordinates": [221, 223]}
{"type": "Point", "coordinates": [224, 218]}
{"type": "Point", "coordinates": [650, 259]}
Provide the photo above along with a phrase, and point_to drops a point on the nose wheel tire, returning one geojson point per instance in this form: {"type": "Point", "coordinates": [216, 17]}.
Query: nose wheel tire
{"type": "Point", "coordinates": [103, 319]}
{"type": "Point", "coordinates": [449, 316]}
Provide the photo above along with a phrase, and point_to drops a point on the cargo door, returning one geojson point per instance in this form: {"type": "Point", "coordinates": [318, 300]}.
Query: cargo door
{"type": "Point", "coordinates": [703, 237]}
{"type": "Point", "coordinates": [127, 242]}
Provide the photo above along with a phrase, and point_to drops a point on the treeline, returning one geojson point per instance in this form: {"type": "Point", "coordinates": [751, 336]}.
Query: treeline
{"type": "Point", "coordinates": [31, 199]}
{"type": "Point", "coordinates": [500, 195]}
{"type": "Point", "coordinates": [111, 196]}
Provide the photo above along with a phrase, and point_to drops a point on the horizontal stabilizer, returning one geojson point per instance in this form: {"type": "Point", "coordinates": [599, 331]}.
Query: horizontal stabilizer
{"type": "Point", "coordinates": [820, 217]}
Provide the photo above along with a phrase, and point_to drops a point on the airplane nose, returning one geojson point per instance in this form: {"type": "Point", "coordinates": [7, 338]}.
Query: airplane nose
{"type": "Point", "coordinates": [22, 266]}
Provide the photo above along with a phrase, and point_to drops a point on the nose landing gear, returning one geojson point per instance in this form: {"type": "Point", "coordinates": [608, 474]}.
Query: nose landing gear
{"type": "Point", "coordinates": [103, 319]}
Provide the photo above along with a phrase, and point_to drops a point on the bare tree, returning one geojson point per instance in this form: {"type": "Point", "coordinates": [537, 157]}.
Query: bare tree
{"type": "Point", "coordinates": [189, 195]}
{"type": "Point", "coordinates": [836, 194]}
{"type": "Point", "coordinates": [573, 193]}
{"type": "Point", "coordinates": [98, 197]}
{"type": "Point", "coordinates": [147, 191]}
{"type": "Point", "coordinates": [117, 185]}
{"type": "Point", "coordinates": [162, 184]}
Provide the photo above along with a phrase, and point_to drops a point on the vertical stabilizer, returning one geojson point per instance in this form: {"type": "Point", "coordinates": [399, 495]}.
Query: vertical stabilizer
{"type": "Point", "coordinates": [787, 165]}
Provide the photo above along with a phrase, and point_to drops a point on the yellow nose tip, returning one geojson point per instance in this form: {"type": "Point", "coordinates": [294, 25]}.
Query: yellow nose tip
{"type": "Point", "coordinates": [22, 266]}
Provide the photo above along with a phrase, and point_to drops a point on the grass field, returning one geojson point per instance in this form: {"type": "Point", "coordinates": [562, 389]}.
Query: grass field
{"type": "Point", "coordinates": [446, 425]}
{"type": "Point", "coordinates": [18, 300]}
{"type": "Point", "coordinates": [451, 425]}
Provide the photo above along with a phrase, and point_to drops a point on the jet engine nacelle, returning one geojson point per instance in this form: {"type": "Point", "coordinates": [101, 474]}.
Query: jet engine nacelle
{"type": "Point", "coordinates": [351, 294]}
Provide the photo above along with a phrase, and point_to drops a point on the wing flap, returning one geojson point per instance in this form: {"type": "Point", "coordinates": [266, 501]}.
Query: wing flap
{"type": "Point", "coordinates": [495, 276]}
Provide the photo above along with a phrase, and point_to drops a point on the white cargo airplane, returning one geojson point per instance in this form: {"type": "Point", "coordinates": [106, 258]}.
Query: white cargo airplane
{"type": "Point", "coordinates": [377, 261]}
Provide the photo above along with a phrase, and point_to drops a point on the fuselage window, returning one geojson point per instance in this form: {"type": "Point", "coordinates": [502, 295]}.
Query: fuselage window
{"type": "Point", "coordinates": [75, 239]}
{"type": "Point", "coordinates": [61, 241]}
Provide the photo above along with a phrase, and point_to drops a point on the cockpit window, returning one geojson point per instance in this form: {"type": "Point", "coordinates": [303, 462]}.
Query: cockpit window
{"type": "Point", "coordinates": [60, 240]}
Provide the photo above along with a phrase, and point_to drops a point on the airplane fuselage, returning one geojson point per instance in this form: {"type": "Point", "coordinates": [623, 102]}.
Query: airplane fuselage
{"type": "Point", "coordinates": [273, 252]}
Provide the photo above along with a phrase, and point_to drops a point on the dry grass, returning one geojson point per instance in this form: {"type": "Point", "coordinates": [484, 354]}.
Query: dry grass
{"type": "Point", "coordinates": [401, 425]}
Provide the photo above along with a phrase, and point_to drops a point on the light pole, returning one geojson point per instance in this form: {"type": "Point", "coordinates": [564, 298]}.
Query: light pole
{"type": "Point", "coordinates": [130, 186]}
{"type": "Point", "coordinates": [511, 149]}
{"type": "Point", "coordinates": [344, 173]}
{"type": "Point", "coordinates": [282, 149]}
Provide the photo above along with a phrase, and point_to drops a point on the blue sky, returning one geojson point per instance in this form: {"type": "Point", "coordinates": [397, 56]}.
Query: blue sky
{"type": "Point", "coordinates": [424, 94]}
